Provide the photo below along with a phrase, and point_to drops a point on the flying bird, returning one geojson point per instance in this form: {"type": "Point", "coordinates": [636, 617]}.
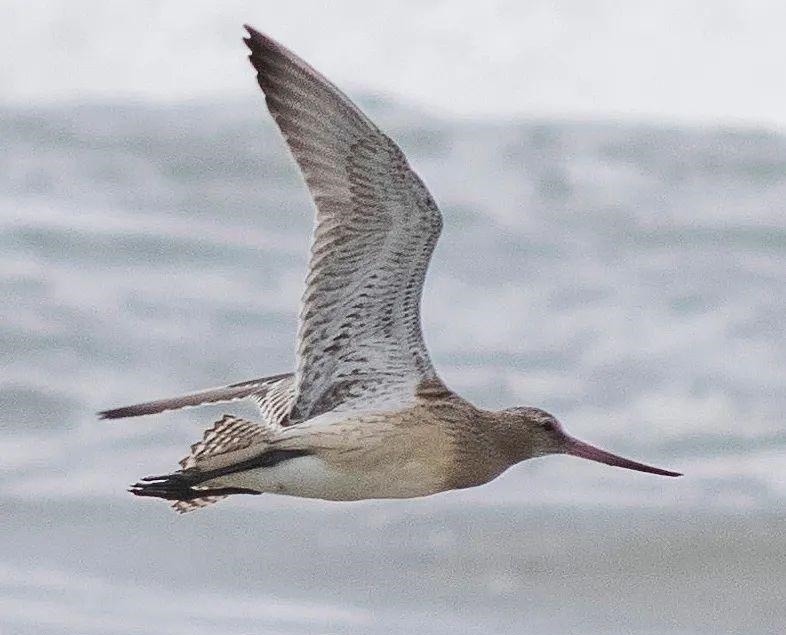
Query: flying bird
{"type": "Point", "coordinates": [365, 414]}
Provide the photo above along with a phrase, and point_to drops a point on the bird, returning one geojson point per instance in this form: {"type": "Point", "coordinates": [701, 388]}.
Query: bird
{"type": "Point", "coordinates": [365, 414]}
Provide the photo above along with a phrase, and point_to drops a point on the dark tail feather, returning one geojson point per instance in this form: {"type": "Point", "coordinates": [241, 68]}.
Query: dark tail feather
{"type": "Point", "coordinates": [184, 488]}
{"type": "Point", "coordinates": [232, 392]}
{"type": "Point", "coordinates": [179, 487]}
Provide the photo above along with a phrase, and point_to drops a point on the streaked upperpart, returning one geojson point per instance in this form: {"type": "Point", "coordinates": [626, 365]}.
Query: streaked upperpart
{"type": "Point", "coordinates": [365, 414]}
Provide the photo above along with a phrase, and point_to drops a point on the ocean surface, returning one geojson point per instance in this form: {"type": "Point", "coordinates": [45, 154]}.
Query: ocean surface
{"type": "Point", "coordinates": [629, 278]}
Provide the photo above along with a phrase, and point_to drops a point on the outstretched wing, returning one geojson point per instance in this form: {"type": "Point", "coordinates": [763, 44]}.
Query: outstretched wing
{"type": "Point", "coordinates": [261, 390]}
{"type": "Point", "coordinates": [377, 225]}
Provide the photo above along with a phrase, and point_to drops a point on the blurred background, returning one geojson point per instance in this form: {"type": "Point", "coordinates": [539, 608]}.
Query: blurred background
{"type": "Point", "coordinates": [613, 181]}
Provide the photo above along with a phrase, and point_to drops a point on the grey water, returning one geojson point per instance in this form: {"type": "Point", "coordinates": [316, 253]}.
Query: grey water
{"type": "Point", "coordinates": [630, 278]}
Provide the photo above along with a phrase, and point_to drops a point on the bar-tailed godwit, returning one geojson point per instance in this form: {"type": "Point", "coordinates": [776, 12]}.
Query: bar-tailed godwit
{"type": "Point", "coordinates": [365, 414]}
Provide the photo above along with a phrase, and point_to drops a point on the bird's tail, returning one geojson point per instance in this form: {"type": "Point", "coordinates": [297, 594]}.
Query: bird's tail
{"type": "Point", "coordinates": [232, 445]}
{"type": "Point", "coordinates": [183, 491]}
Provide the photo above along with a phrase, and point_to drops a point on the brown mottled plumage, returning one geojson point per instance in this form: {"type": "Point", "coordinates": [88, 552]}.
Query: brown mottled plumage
{"type": "Point", "coordinates": [365, 414]}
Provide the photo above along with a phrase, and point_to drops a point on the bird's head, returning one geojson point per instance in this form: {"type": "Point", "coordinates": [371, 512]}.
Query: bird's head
{"type": "Point", "coordinates": [534, 432]}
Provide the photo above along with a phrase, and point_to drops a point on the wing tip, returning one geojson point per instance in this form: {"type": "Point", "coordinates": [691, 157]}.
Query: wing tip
{"type": "Point", "coordinates": [257, 39]}
{"type": "Point", "coordinates": [262, 45]}
{"type": "Point", "coordinates": [137, 410]}
{"type": "Point", "coordinates": [257, 43]}
{"type": "Point", "coordinates": [115, 413]}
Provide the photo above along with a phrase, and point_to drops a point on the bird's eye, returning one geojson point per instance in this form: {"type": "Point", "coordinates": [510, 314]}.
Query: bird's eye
{"type": "Point", "coordinates": [548, 426]}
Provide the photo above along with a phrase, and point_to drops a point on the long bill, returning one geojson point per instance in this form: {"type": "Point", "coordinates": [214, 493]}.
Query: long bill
{"type": "Point", "coordinates": [583, 450]}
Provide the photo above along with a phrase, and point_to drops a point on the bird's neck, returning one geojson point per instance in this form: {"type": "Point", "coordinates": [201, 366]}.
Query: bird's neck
{"type": "Point", "coordinates": [486, 443]}
{"type": "Point", "coordinates": [509, 439]}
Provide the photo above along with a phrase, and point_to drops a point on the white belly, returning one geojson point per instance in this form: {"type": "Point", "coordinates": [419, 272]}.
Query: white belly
{"type": "Point", "coordinates": [312, 477]}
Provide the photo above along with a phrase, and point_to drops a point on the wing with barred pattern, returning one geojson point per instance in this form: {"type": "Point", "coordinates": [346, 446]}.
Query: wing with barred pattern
{"type": "Point", "coordinates": [377, 224]}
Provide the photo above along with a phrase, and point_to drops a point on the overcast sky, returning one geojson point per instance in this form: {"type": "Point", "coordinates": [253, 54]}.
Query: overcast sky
{"type": "Point", "coordinates": [711, 61]}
